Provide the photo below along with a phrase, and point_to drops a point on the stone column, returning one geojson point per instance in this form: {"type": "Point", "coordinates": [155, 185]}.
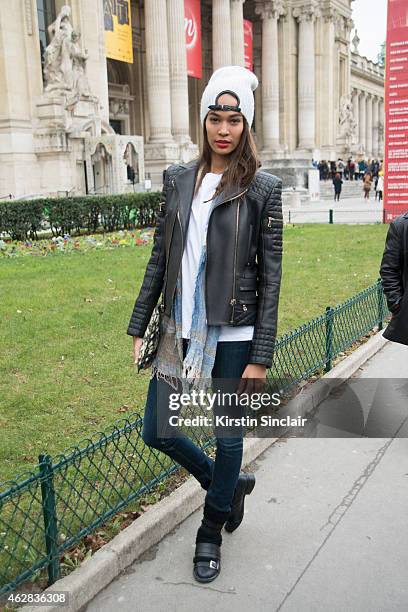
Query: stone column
{"type": "Point", "coordinates": [237, 33]}
{"type": "Point", "coordinates": [355, 113]}
{"type": "Point", "coordinates": [369, 126]}
{"type": "Point", "coordinates": [375, 127]}
{"type": "Point", "coordinates": [381, 128]}
{"type": "Point", "coordinates": [306, 15]}
{"type": "Point", "coordinates": [362, 121]}
{"type": "Point", "coordinates": [325, 86]}
{"type": "Point", "coordinates": [178, 71]}
{"type": "Point", "coordinates": [221, 20]}
{"type": "Point", "coordinates": [158, 79]}
{"type": "Point", "coordinates": [270, 11]}
{"type": "Point", "coordinates": [288, 85]}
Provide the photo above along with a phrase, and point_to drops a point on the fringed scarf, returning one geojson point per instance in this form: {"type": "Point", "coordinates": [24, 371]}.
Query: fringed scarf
{"type": "Point", "coordinates": [194, 372]}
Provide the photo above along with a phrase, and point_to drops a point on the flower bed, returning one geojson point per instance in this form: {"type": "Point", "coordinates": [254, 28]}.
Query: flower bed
{"type": "Point", "coordinates": [66, 244]}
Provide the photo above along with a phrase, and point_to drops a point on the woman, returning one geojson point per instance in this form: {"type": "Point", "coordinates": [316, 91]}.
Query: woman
{"type": "Point", "coordinates": [220, 321]}
{"type": "Point", "coordinates": [367, 185]}
{"type": "Point", "coordinates": [380, 187]}
{"type": "Point", "coordinates": [337, 183]}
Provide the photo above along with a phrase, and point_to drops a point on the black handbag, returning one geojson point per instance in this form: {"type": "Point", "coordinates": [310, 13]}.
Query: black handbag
{"type": "Point", "coordinates": [151, 338]}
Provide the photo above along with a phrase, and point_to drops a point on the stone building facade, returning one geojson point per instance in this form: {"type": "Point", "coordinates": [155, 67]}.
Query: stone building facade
{"type": "Point", "coordinates": [318, 98]}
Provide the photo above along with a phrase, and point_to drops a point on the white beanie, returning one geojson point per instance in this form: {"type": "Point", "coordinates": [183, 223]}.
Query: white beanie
{"type": "Point", "coordinates": [231, 79]}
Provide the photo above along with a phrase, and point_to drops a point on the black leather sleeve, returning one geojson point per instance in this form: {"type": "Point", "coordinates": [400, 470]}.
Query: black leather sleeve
{"type": "Point", "coordinates": [269, 256]}
{"type": "Point", "coordinates": [154, 276]}
{"type": "Point", "coordinates": [391, 268]}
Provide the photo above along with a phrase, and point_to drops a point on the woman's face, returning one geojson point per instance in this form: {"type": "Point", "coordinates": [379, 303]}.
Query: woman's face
{"type": "Point", "coordinates": [224, 128]}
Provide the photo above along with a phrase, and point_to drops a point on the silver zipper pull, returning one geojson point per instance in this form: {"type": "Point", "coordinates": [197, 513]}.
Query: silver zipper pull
{"type": "Point", "coordinates": [244, 307]}
{"type": "Point", "coordinates": [270, 221]}
{"type": "Point", "coordinates": [233, 301]}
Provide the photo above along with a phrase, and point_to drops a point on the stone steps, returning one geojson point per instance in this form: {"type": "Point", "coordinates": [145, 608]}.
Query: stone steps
{"type": "Point", "coordinates": [350, 189]}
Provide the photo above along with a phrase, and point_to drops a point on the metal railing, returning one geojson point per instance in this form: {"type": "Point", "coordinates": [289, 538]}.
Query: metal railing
{"type": "Point", "coordinates": [45, 512]}
{"type": "Point", "coordinates": [338, 214]}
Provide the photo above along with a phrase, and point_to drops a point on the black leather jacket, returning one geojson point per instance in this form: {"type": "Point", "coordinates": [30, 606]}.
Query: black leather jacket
{"type": "Point", "coordinates": [244, 256]}
{"type": "Point", "coordinates": [394, 278]}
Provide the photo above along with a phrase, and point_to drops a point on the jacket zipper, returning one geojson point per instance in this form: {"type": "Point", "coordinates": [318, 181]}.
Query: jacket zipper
{"type": "Point", "coordinates": [168, 253]}
{"type": "Point", "coordinates": [233, 197]}
{"type": "Point", "coordinates": [181, 229]}
{"type": "Point", "coordinates": [233, 300]}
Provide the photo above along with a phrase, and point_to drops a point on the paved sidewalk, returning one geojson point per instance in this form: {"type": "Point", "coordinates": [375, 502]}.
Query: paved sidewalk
{"type": "Point", "coordinates": [348, 210]}
{"type": "Point", "coordinates": [325, 529]}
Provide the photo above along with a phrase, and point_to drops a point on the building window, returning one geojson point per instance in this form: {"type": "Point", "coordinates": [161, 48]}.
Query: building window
{"type": "Point", "coordinates": [116, 125]}
{"type": "Point", "coordinates": [46, 16]}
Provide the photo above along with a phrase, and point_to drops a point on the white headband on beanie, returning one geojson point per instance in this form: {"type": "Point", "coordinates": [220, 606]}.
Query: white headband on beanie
{"type": "Point", "coordinates": [234, 79]}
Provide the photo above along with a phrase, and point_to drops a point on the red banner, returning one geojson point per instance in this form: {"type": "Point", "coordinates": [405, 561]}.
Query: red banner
{"type": "Point", "coordinates": [396, 111]}
{"type": "Point", "coordinates": [192, 21]}
{"type": "Point", "coordinates": [248, 45]}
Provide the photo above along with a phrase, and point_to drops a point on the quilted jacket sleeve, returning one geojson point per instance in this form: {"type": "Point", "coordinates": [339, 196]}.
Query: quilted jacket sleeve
{"type": "Point", "coordinates": [269, 256]}
{"type": "Point", "coordinates": [154, 276]}
{"type": "Point", "coordinates": [391, 268]}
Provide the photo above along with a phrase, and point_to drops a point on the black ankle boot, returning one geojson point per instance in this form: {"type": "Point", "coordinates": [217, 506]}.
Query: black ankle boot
{"type": "Point", "coordinates": [207, 556]}
{"type": "Point", "coordinates": [209, 532]}
{"type": "Point", "coordinates": [245, 485]}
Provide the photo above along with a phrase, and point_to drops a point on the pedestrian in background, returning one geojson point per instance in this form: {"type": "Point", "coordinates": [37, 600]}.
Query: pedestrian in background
{"type": "Point", "coordinates": [361, 168]}
{"type": "Point", "coordinates": [352, 168]}
{"type": "Point", "coordinates": [380, 187]}
{"type": "Point", "coordinates": [337, 183]}
{"type": "Point", "coordinates": [367, 180]}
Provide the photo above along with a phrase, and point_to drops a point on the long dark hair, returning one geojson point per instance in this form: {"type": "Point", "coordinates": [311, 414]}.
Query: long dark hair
{"type": "Point", "coordinates": [242, 166]}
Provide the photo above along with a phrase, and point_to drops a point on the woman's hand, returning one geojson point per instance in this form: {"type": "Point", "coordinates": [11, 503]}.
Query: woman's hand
{"type": "Point", "coordinates": [137, 343]}
{"type": "Point", "coordinates": [253, 379]}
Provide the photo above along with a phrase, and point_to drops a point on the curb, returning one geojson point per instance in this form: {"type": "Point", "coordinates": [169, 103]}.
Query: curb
{"type": "Point", "coordinates": [148, 530]}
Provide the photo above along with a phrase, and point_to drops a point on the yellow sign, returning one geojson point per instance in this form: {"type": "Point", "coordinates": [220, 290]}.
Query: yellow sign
{"type": "Point", "coordinates": [118, 30]}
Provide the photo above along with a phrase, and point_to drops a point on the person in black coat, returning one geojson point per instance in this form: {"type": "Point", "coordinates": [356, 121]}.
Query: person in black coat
{"type": "Point", "coordinates": [337, 183]}
{"type": "Point", "coordinates": [239, 235]}
{"type": "Point", "coordinates": [394, 277]}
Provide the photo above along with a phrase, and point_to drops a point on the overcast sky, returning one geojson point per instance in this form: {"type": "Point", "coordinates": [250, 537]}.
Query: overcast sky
{"type": "Point", "coordinates": [370, 18]}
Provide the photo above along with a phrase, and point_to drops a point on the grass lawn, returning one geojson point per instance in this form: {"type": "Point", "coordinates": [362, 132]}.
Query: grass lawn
{"type": "Point", "coordinates": [66, 361]}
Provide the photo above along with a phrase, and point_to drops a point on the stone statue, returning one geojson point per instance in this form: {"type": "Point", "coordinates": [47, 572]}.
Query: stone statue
{"type": "Point", "coordinates": [64, 60]}
{"type": "Point", "coordinates": [80, 81]}
{"type": "Point", "coordinates": [57, 61]}
{"type": "Point", "coordinates": [348, 124]}
{"type": "Point", "coordinates": [355, 42]}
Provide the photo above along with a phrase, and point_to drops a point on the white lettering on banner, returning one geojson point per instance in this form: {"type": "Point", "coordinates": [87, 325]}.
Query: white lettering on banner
{"type": "Point", "coordinates": [191, 32]}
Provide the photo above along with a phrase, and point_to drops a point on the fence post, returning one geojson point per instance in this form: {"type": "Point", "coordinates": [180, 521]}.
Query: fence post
{"type": "Point", "coordinates": [330, 215]}
{"type": "Point", "coordinates": [50, 517]}
{"type": "Point", "coordinates": [329, 338]}
{"type": "Point", "coordinates": [289, 217]}
{"type": "Point", "coordinates": [380, 304]}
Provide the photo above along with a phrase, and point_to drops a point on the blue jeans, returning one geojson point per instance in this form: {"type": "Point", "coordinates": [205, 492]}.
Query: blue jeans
{"type": "Point", "coordinates": [218, 477]}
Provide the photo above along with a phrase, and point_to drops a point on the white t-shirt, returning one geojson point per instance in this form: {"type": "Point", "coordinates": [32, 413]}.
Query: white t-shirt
{"type": "Point", "coordinates": [196, 238]}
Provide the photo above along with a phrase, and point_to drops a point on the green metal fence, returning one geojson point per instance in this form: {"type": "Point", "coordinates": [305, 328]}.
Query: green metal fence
{"type": "Point", "coordinates": [45, 512]}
